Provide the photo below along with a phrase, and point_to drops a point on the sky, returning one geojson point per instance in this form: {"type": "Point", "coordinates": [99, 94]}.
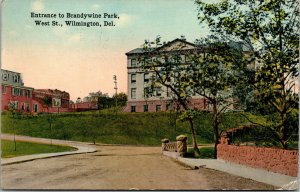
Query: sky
{"type": "Point", "coordinates": [81, 60]}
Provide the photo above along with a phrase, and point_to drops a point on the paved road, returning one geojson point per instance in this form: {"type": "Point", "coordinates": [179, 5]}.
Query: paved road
{"type": "Point", "coordinates": [118, 167]}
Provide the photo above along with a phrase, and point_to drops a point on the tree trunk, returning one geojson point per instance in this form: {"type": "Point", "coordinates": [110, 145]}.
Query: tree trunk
{"type": "Point", "coordinates": [215, 128]}
{"type": "Point", "coordinates": [195, 146]}
{"type": "Point", "coordinates": [283, 131]}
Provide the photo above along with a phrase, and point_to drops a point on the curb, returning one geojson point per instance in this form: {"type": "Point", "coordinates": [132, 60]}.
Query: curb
{"type": "Point", "coordinates": [260, 175]}
{"type": "Point", "coordinates": [80, 146]}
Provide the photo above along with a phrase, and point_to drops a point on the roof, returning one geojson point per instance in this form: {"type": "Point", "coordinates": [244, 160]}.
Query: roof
{"type": "Point", "coordinates": [237, 45]}
{"type": "Point", "coordinates": [141, 50]}
{"type": "Point", "coordinates": [138, 51]}
{"type": "Point", "coordinates": [10, 71]}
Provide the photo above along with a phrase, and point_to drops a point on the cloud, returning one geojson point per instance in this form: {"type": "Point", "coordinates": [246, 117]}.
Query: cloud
{"type": "Point", "coordinates": [37, 6]}
{"type": "Point", "coordinates": [95, 7]}
{"type": "Point", "coordinates": [75, 38]}
{"type": "Point", "coordinates": [124, 19]}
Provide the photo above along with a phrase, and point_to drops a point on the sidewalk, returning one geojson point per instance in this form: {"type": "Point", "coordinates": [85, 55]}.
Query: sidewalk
{"type": "Point", "coordinates": [260, 175]}
{"type": "Point", "coordinates": [82, 148]}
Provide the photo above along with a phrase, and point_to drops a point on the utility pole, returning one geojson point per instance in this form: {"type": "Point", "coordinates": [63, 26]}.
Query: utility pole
{"type": "Point", "coordinates": [116, 88]}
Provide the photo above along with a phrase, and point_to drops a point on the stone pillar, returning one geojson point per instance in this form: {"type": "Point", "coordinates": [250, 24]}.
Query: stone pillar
{"type": "Point", "coordinates": [181, 144]}
{"type": "Point", "coordinates": [163, 144]}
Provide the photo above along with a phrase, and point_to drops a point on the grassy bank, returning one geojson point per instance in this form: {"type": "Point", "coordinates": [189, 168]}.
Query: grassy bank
{"type": "Point", "coordinates": [26, 148]}
{"type": "Point", "coordinates": [120, 128]}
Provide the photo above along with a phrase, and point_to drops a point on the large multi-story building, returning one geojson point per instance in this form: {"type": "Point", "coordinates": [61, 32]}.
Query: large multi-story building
{"type": "Point", "coordinates": [161, 97]}
{"type": "Point", "coordinates": [138, 80]}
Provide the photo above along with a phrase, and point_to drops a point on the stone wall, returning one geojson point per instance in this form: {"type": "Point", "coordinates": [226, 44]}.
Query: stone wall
{"type": "Point", "coordinates": [272, 159]}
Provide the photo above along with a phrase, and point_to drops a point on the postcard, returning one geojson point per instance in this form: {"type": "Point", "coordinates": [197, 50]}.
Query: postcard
{"type": "Point", "coordinates": [149, 95]}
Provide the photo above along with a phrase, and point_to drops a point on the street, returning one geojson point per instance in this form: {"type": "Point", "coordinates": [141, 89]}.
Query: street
{"type": "Point", "coordinates": [118, 167]}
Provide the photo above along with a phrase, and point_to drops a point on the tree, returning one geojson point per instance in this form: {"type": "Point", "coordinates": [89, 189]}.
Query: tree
{"type": "Point", "coordinates": [121, 98]}
{"type": "Point", "coordinates": [168, 71]}
{"type": "Point", "coordinates": [12, 108]}
{"type": "Point", "coordinates": [47, 102]}
{"type": "Point", "coordinates": [271, 27]}
{"type": "Point", "coordinates": [213, 74]}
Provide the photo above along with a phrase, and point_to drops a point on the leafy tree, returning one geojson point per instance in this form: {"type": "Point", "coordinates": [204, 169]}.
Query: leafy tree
{"type": "Point", "coordinates": [121, 99]}
{"type": "Point", "coordinates": [47, 102]}
{"type": "Point", "coordinates": [168, 71]}
{"type": "Point", "coordinates": [12, 108]}
{"type": "Point", "coordinates": [271, 27]}
{"type": "Point", "coordinates": [214, 72]}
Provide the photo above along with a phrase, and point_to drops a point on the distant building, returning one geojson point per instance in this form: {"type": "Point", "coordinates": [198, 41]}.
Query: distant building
{"type": "Point", "coordinates": [60, 100]}
{"type": "Point", "coordinates": [28, 99]}
{"type": "Point", "coordinates": [13, 90]}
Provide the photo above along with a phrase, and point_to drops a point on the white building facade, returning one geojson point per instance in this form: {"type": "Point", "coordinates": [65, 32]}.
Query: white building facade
{"type": "Point", "coordinates": [138, 82]}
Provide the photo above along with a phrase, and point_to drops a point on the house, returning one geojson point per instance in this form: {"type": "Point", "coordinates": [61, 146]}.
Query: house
{"type": "Point", "coordinates": [14, 91]}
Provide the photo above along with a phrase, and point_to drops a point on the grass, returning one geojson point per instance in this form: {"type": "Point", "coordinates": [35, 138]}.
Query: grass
{"type": "Point", "coordinates": [26, 148]}
{"type": "Point", "coordinates": [205, 153]}
{"type": "Point", "coordinates": [117, 128]}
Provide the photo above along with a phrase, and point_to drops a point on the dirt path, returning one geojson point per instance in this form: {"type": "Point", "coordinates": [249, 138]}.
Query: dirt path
{"type": "Point", "coordinates": [117, 167]}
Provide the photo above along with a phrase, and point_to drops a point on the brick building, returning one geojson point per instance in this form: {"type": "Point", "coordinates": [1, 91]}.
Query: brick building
{"type": "Point", "coordinates": [28, 99]}
{"type": "Point", "coordinates": [13, 90]}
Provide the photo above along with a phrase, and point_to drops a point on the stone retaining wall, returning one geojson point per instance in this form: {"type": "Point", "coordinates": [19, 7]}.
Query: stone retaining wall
{"type": "Point", "coordinates": [272, 159]}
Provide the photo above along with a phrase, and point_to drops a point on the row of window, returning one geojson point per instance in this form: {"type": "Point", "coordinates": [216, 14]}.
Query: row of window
{"type": "Point", "coordinates": [17, 91]}
{"type": "Point", "coordinates": [146, 78]}
{"type": "Point", "coordinates": [182, 58]}
{"type": "Point", "coordinates": [16, 78]}
{"type": "Point", "coordinates": [148, 92]}
{"type": "Point", "coordinates": [146, 108]}
{"type": "Point", "coordinates": [25, 107]}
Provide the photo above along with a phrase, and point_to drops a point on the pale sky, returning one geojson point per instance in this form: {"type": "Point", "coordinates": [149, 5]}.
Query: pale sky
{"type": "Point", "coordinates": [80, 60]}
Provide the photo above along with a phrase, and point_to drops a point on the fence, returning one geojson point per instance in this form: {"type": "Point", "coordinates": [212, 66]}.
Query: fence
{"type": "Point", "coordinates": [272, 159]}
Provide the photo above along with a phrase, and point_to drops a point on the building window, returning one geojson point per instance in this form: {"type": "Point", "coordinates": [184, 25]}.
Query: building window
{"type": "Point", "coordinates": [27, 107]}
{"type": "Point", "coordinates": [23, 106]}
{"type": "Point", "coordinates": [16, 105]}
{"type": "Point", "coordinates": [28, 93]}
{"type": "Point", "coordinates": [146, 77]}
{"type": "Point", "coordinates": [133, 93]}
{"type": "Point", "coordinates": [35, 108]}
{"type": "Point", "coordinates": [133, 78]}
{"type": "Point", "coordinates": [158, 108]}
{"type": "Point", "coordinates": [147, 92]}
{"type": "Point", "coordinates": [4, 76]}
{"type": "Point", "coordinates": [133, 108]}
{"type": "Point", "coordinates": [133, 62]}
{"type": "Point", "coordinates": [145, 108]}
{"type": "Point", "coordinates": [16, 78]}
{"type": "Point", "coordinates": [158, 91]}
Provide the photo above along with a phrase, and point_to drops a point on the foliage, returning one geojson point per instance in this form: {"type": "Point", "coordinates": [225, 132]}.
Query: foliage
{"type": "Point", "coordinates": [121, 99]}
{"type": "Point", "coordinates": [26, 148]}
{"type": "Point", "coordinates": [205, 152]}
{"type": "Point", "coordinates": [168, 71]}
{"type": "Point", "coordinates": [271, 28]}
